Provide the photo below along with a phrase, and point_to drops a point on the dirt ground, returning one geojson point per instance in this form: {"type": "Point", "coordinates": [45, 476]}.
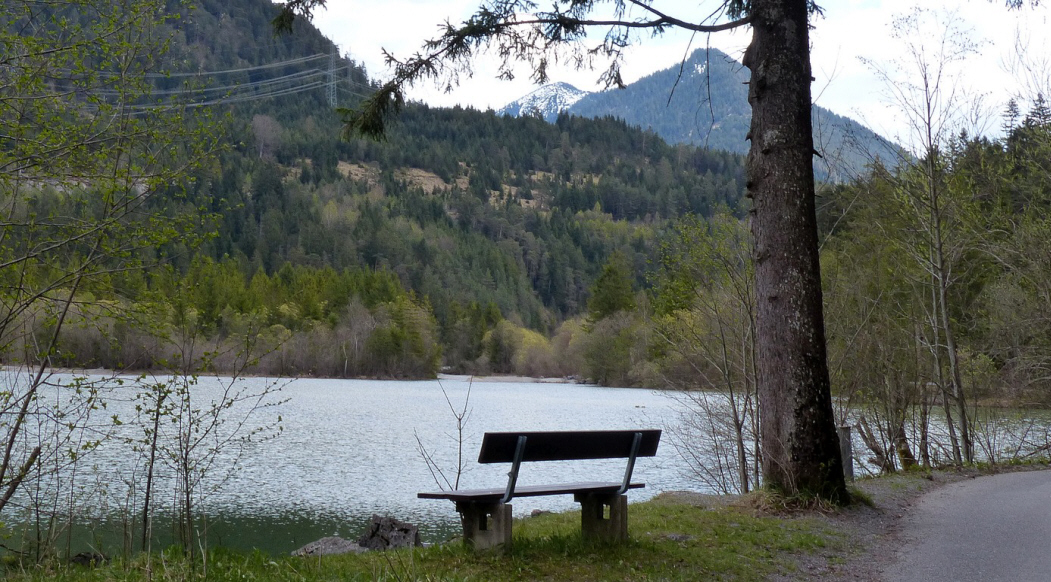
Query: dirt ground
{"type": "Point", "coordinates": [872, 531]}
{"type": "Point", "coordinates": [869, 530]}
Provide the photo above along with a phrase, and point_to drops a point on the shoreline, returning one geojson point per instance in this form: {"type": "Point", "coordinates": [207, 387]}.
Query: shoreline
{"type": "Point", "coordinates": [490, 379]}
{"type": "Point", "coordinates": [510, 379]}
{"type": "Point", "coordinates": [994, 404]}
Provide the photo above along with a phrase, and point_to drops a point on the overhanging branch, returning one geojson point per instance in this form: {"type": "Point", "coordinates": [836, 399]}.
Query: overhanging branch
{"type": "Point", "coordinates": [659, 23]}
{"type": "Point", "coordinates": [531, 38]}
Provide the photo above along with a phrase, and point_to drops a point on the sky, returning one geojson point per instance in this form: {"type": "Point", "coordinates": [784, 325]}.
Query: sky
{"type": "Point", "coordinates": [854, 38]}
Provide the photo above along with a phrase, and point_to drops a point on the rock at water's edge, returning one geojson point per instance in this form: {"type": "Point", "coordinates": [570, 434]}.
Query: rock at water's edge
{"type": "Point", "coordinates": [386, 533]}
{"type": "Point", "coordinates": [329, 546]}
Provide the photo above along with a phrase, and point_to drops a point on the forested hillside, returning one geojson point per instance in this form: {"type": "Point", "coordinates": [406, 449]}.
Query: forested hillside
{"type": "Point", "coordinates": [461, 219]}
{"type": "Point", "coordinates": [488, 243]}
{"type": "Point", "coordinates": [511, 216]}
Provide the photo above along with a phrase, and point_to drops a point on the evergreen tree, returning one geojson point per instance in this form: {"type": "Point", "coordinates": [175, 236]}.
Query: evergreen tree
{"type": "Point", "coordinates": [612, 291]}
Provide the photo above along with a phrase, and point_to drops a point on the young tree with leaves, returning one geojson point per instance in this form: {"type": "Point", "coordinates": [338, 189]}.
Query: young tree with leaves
{"type": "Point", "coordinates": [705, 326]}
{"type": "Point", "coordinates": [88, 161]}
{"type": "Point", "coordinates": [943, 218]}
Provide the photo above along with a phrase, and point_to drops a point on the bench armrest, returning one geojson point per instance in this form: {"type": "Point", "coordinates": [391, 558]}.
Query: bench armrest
{"type": "Point", "coordinates": [512, 476]}
{"type": "Point", "coordinates": [635, 444]}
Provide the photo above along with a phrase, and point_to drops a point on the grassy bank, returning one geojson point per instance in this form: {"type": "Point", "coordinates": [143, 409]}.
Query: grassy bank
{"type": "Point", "coordinates": [673, 537]}
{"type": "Point", "coordinates": [682, 536]}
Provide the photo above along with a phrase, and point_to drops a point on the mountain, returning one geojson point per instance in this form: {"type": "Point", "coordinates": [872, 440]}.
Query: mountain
{"type": "Point", "coordinates": [546, 102]}
{"type": "Point", "coordinates": [704, 102]}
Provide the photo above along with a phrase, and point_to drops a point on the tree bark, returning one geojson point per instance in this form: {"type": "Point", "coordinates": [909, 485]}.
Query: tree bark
{"type": "Point", "coordinates": [801, 454]}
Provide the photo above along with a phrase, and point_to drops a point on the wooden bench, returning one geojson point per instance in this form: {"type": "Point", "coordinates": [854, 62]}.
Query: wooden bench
{"type": "Point", "coordinates": [486, 513]}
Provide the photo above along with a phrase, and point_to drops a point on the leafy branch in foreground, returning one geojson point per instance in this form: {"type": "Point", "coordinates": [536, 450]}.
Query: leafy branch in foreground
{"type": "Point", "coordinates": [90, 175]}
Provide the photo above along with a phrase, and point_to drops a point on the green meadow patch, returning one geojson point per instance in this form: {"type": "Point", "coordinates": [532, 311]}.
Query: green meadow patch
{"type": "Point", "coordinates": [672, 538]}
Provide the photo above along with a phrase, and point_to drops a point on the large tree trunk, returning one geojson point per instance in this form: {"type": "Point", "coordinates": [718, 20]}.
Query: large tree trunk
{"type": "Point", "coordinates": [801, 454]}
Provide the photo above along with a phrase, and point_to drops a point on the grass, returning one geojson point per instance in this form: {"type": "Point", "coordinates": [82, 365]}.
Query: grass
{"type": "Point", "coordinates": [671, 539]}
{"type": "Point", "coordinates": [860, 497]}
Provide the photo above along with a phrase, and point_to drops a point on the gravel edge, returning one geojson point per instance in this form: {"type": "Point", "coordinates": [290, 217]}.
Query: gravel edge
{"type": "Point", "coordinates": [865, 535]}
{"type": "Point", "coordinates": [871, 531]}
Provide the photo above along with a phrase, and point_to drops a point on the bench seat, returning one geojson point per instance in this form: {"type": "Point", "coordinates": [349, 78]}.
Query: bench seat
{"type": "Point", "coordinates": [600, 487]}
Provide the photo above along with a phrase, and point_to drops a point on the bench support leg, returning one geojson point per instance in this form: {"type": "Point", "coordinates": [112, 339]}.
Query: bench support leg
{"type": "Point", "coordinates": [485, 525]}
{"type": "Point", "coordinates": [604, 516]}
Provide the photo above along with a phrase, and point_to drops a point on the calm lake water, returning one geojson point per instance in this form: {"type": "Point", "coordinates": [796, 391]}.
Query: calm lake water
{"type": "Point", "coordinates": [348, 449]}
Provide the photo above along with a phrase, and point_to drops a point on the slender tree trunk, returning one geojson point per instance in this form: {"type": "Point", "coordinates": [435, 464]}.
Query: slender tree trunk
{"type": "Point", "coordinates": [735, 412]}
{"type": "Point", "coordinates": [147, 520]}
{"type": "Point", "coordinates": [901, 445]}
{"type": "Point", "coordinates": [935, 297]}
{"type": "Point", "coordinates": [801, 454]}
{"type": "Point", "coordinates": [898, 403]}
{"type": "Point", "coordinates": [925, 402]}
{"type": "Point", "coordinates": [966, 441]}
{"type": "Point", "coordinates": [946, 403]}
{"type": "Point", "coordinates": [882, 456]}
{"type": "Point", "coordinates": [187, 503]}
{"type": "Point", "coordinates": [940, 278]}
{"type": "Point", "coordinates": [925, 414]}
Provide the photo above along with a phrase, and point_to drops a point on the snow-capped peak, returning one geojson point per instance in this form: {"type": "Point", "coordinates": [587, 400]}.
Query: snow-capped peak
{"type": "Point", "coordinates": [547, 101]}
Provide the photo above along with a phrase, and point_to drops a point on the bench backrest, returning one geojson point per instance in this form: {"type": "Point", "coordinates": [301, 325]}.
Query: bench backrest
{"type": "Point", "coordinates": [499, 447]}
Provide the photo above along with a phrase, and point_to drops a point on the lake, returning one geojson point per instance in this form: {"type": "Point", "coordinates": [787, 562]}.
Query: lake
{"type": "Point", "coordinates": [348, 449]}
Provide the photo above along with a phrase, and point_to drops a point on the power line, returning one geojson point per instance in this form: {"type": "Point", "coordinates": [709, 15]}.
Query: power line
{"type": "Point", "coordinates": [300, 60]}
{"type": "Point", "coordinates": [266, 89]}
{"type": "Point", "coordinates": [187, 91]}
{"type": "Point", "coordinates": [332, 101]}
{"type": "Point", "coordinates": [168, 75]}
{"type": "Point", "coordinates": [207, 95]}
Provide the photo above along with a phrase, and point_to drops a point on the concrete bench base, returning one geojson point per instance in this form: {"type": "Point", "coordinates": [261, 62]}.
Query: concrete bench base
{"type": "Point", "coordinates": [487, 524]}
{"type": "Point", "coordinates": [603, 516]}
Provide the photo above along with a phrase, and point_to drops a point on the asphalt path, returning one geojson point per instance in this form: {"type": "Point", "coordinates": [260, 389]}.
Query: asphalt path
{"type": "Point", "coordinates": [984, 529]}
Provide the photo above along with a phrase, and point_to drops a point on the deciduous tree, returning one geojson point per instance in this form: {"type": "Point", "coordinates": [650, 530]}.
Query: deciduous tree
{"type": "Point", "coordinates": [705, 325]}
{"type": "Point", "coordinates": [944, 220]}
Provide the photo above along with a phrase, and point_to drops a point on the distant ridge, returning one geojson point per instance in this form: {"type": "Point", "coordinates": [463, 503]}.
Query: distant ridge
{"type": "Point", "coordinates": [704, 102]}
{"type": "Point", "coordinates": [547, 102]}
